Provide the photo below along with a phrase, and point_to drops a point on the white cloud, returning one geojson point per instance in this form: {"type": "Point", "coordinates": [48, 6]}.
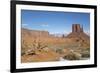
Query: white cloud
{"type": "Point", "coordinates": [44, 25]}
{"type": "Point", "coordinates": [24, 25]}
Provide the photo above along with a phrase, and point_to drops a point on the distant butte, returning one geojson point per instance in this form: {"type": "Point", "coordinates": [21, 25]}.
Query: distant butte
{"type": "Point", "coordinates": [78, 32]}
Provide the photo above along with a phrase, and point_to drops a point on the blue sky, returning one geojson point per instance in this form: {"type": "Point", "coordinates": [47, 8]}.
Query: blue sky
{"type": "Point", "coordinates": [54, 22]}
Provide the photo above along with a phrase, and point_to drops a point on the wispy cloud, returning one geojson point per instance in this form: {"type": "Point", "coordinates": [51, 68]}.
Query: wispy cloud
{"type": "Point", "coordinates": [24, 25]}
{"type": "Point", "coordinates": [44, 25]}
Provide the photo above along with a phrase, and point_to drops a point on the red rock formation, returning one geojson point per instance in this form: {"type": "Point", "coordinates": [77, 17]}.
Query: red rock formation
{"type": "Point", "coordinates": [77, 28]}
{"type": "Point", "coordinates": [78, 32]}
{"type": "Point", "coordinates": [34, 33]}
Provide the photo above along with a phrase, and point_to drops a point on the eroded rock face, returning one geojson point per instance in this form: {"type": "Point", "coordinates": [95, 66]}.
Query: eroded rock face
{"type": "Point", "coordinates": [78, 32]}
{"type": "Point", "coordinates": [34, 33]}
{"type": "Point", "coordinates": [77, 28]}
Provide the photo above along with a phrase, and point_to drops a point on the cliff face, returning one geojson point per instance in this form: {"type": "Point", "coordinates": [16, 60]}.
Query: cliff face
{"type": "Point", "coordinates": [34, 33]}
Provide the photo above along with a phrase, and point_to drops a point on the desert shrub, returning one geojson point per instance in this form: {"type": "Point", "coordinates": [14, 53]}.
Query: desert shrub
{"type": "Point", "coordinates": [30, 52]}
{"type": "Point", "coordinates": [88, 49]}
{"type": "Point", "coordinates": [22, 53]}
{"type": "Point", "coordinates": [59, 51]}
{"type": "Point", "coordinates": [72, 56]}
{"type": "Point", "coordinates": [37, 44]}
{"type": "Point", "coordinates": [85, 54]}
